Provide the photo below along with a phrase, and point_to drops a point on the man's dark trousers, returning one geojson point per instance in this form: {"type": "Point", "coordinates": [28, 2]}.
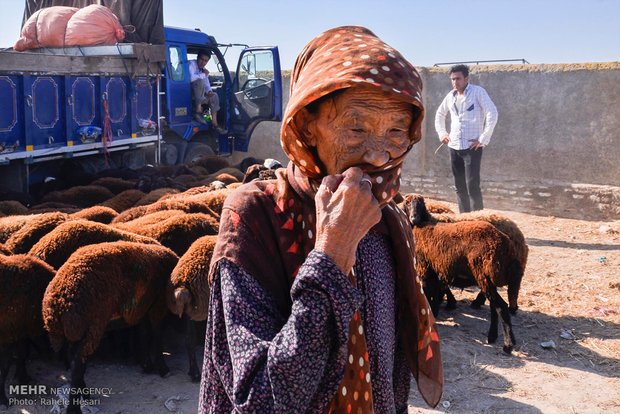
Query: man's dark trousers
{"type": "Point", "coordinates": [466, 171]}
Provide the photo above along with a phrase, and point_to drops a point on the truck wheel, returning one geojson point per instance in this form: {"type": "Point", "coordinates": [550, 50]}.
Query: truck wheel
{"type": "Point", "coordinates": [169, 154]}
{"type": "Point", "coordinates": [196, 150]}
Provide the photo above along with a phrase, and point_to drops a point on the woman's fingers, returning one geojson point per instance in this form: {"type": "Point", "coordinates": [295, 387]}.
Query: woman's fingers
{"type": "Point", "coordinates": [346, 210]}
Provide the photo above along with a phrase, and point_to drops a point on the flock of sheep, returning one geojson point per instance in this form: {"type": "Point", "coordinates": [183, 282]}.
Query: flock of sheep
{"type": "Point", "coordinates": [131, 248]}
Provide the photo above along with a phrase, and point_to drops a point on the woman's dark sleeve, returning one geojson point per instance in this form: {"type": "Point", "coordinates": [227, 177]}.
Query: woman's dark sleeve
{"type": "Point", "coordinates": [264, 362]}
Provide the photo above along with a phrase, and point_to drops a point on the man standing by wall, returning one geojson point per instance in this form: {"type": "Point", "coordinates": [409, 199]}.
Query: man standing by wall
{"type": "Point", "coordinates": [473, 117]}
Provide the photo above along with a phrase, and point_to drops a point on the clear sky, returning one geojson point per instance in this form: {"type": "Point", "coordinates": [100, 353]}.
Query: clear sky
{"type": "Point", "coordinates": [426, 32]}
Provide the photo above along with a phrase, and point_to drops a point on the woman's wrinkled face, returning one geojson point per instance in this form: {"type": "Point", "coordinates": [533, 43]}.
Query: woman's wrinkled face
{"type": "Point", "coordinates": [360, 127]}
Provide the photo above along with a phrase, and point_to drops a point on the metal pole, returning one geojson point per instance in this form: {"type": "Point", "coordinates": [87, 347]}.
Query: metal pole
{"type": "Point", "coordinates": [158, 152]}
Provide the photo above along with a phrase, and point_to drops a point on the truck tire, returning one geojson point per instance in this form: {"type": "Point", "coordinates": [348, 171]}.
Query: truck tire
{"type": "Point", "coordinates": [170, 154]}
{"type": "Point", "coordinates": [195, 150]}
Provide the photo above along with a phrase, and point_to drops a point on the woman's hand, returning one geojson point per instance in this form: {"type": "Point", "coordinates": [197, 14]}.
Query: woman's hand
{"type": "Point", "coordinates": [345, 211]}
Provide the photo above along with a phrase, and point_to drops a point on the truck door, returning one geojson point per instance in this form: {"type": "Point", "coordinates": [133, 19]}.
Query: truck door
{"type": "Point", "coordinates": [257, 92]}
{"type": "Point", "coordinates": [178, 95]}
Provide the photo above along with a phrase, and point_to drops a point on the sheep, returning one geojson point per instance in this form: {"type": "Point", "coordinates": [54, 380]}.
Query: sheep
{"type": "Point", "coordinates": [253, 173]}
{"type": "Point", "coordinates": [100, 214]}
{"type": "Point", "coordinates": [177, 232]}
{"type": "Point", "coordinates": [187, 293]}
{"type": "Point", "coordinates": [462, 254]}
{"type": "Point", "coordinates": [114, 184]}
{"type": "Point", "coordinates": [501, 223]}
{"type": "Point", "coordinates": [265, 171]}
{"type": "Point", "coordinates": [10, 224]}
{"type": "Point", "coordinates": [218, 185]}
{"type": "Point", "coordinates": [12, 208]}
{"type": "Point", "coordinates": [198, 170]}
{"type": "Point", "coordinates": [155, 195]}
{"type": "Point", "coordinates": [225, 178]}
{"type": "Point", "coordinates": [51, 206]}
{"type": "Point", "coordinates": [432, 206]}
{"type": "Point", "coordinates": [100, 283]}
{"type": "Point", "coordinates": [211, 163]}
{"type": "Point", "coordinates": [187, 180]}
{"type": "Point", "coordinates": [247, 162]}
{"type": "Point", "coordinates": [23, 239]}
{"type": "Point", "coordinates": [224, 173]}
{"type": "Point", "coordinates": [174, 203]}
{"type": "Point", "coordinates": [57, 246]}
{"type": "Point", "coordinates": [81, 196]}
{"type": "Point", "coordinates": [213, 199]}
{"type": "Point", "coordinates": [147, 220]}
{"type": "Point", "coordinates": [124, 200]}
{"type": "Point", "coordinates": [513, 232]}
{"type": "Point", "coordinates": [23, 279]}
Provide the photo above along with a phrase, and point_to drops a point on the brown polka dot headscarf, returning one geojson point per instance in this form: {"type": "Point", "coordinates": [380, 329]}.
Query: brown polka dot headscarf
{"type": "Point", "coordinates": [341, 58]}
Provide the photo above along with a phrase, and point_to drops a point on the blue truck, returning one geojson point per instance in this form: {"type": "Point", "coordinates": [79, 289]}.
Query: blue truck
{"type": "Point", "coordinates": [127, 105]}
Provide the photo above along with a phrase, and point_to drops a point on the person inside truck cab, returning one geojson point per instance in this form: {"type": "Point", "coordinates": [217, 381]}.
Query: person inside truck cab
{"type": "Point", "coordinates": [202, 94]}
{"type": "Point", "coordinates": [315, 306]}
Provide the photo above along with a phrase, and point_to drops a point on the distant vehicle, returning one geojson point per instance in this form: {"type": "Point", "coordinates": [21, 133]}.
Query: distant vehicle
{"type": "Point", "coordinates": [126, 104]}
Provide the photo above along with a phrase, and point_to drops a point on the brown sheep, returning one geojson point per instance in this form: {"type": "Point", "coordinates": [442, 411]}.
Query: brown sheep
{"type": "Point", "coordinates": [501, 223]}
{"type": "Point", "coordinates": [213, 199]}
{"type": "Point", "coordinates": [463, 254]}
{"type": "Point", "coordinates": [51, 206]}
{"type": "Point", "coordinates": [155, 195]}
{"type": "Point", "coordinates": [186, 204]}
{"type": "Point", "coordinates": [23, 239]}
{"type": "Point", "coordinates": [198, 170]}
{"type": "Point", "coordinates": [12, 208]}
{"type": "Point", "coordinates": [81, 196]}
{"type": "Point", "coordinates": [225, 178]}
{"type": "Point", "coordinates": [10, 224]}
{"type": "Point", "coordinates": [232, 171]}
{"type": "Point", "coordinates": [211, 163]}
{"type": "Point", "coordinates": [433, 206]}
{"type": "Point", "coordinates": [187, 293]}
{"type": "Point", "coordinates": [4, 250]}
{"type": "Point", "coordinates": [177, 232]}
{"type": "Point", "coordinates": [147, 220]}
{"type": "Point", "coordinates": [188, 289]}
{"type": "Point", "coordinates": [101, 283]}
{"type": "Point", "coordinates": [100, 214]}
{"type": "Point", "coordinates": [57, 246]}
{"type": "Point", "coordinates": [114, 184]}
{"type": "Point", "coordinates": [187, 180]}
{"type": "Point", "coordinates": [23, 279]}
{"type": "Point", "coordinates": [124, 200]}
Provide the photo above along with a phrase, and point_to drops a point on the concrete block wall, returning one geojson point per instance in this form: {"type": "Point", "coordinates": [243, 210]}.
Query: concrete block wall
{"type": "Point", "coordinates": [555, 149]}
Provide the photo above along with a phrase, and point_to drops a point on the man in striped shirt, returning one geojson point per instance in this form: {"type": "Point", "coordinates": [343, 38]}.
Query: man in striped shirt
{"type": "Point", "coordinates": [473, 117]}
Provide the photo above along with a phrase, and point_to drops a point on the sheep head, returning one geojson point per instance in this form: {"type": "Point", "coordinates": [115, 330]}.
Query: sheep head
{"type": "Point", "coordinates": [416, 211]}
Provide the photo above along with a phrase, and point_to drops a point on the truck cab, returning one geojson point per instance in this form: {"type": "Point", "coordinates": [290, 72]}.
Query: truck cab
{"type": "Point", "coordinates": [253, 93]}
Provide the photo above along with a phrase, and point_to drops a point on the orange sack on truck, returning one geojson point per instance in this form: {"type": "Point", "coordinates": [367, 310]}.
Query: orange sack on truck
{"type": "Point", "coordinates": [45, 28]}
{"type": "Point", "coordinates": [60, 26]}
{"type": "Point", "coordinates": [94, 25]}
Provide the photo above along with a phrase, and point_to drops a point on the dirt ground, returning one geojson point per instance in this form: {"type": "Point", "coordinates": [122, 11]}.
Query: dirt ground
{"type": "Point", "coordinates": [570, 295]}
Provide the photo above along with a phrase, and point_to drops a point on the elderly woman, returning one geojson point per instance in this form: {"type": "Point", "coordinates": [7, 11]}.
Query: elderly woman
{"type": "Point", "coordinates": [315, 306]}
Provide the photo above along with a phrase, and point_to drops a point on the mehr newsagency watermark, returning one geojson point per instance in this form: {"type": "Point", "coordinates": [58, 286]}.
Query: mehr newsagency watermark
{"type": "Point", "coordinates": [43, 395]}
